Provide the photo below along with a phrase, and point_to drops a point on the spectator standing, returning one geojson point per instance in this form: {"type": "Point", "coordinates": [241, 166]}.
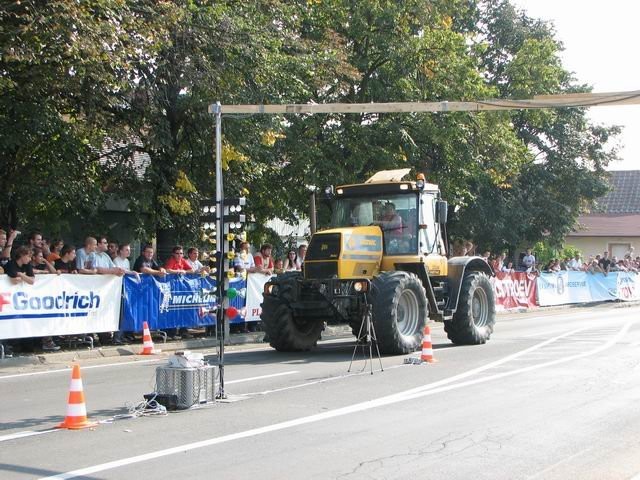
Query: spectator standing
{"type": "Point", "coordinates": [113, 250]}
{"type": "Point", "coordinates": [529, 261]}
{"type": "Point", "coordinates": [243, 262]}
{"type": "Point", "coordinates": [20, 271]}
{"type": "Point", "coordinates": [594, 266]}
{"type": "Point", "coordinates": [278, 266]}
{"type": "Point", "coordinates": [469, 248]}
{"type": "Point", "coordinates": [145, 263]}
{"type": "Point", "coordinates": [575, 264]}
{"type": "Point", "coordinates": [35, 239]}
{"type": "Point", "coordinates": [264, 260]}
{"type": "Point", "coordinates": [291, 262]}
{"type": "Point", "coordinates": [66, 263]}
{"type": "Point", "coordinates": [195, 264]}
{"type": "Point", "coordinates": [508, 268]}
{"type": "Point", "coordinates": [39, 263]}
{"type": "Point", "coordinates": [605, 263]}
{"type": "Point", "coordinates": [498, 263]}
{"type": "Point", "coordinates": [54, 254]}
{"type": "Point", "coordinates": [104, 265]}
{"type": "Point", "coordinates": [302, 252]}
{"type": "Point", "coordinates": [486, 256]}
{"type": "Point", "coordinates": [176, 262]}
{"type": "Point", "coordinates": [6, 244]}
{"type": "Point", "coordinates": [86, 257]}
{"type": "Point", "coordinates": [122, 259]}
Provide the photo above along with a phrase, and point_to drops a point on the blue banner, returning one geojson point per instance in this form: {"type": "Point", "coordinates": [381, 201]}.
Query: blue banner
{"type": "Point", "coordinates": [174, 301]}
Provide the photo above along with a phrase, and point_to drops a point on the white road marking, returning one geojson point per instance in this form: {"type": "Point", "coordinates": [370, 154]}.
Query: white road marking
{"type": "Point", "coordinates": [250, 379]}
{"type": "Point", "coordinates": [27, 433]}
{"type": "Point", "coordinates": [423, 391]}
{"type": "Point", "coordinates": [323, 380]}
{"type": "Point", "coordinates": [87, 367]}
{"type": "Point", "coordinates": [152, 360]}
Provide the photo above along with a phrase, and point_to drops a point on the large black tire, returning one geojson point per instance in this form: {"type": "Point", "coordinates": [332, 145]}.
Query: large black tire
{"type": "Point", "coordinates": [473, 321]}
{"type": "Point", "coordinates": [285, 332]}
{"type": "Point", "coordinates": [399, 312]}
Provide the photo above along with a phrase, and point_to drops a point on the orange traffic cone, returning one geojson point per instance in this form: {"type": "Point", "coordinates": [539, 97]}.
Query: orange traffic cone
{"type": "Point", "coordinates": [427, 348]}
{"type": "Point", "coordinates": [147, 342]}
{"type": "Point", "coordinates": [76, 409]}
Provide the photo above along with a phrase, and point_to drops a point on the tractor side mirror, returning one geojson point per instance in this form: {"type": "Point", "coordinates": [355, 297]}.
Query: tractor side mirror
{"type": "Point", "coordinates": [442, 208]}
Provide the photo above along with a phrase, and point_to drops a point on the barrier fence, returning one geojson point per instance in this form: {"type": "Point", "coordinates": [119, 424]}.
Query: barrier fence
{"type": "Point", "coordinates": [76, 304]}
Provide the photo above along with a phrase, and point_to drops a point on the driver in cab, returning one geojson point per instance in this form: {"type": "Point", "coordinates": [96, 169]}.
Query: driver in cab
{"type": "Point", "coordinates": [390, 221]}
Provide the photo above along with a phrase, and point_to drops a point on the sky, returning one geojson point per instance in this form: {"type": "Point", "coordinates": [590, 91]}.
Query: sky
{"type": "Point", "coordinates": [600, 40]}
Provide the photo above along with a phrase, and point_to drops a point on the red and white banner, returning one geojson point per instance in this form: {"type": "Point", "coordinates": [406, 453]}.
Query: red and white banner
{"type": "Point", "coordinates": [514, 290]}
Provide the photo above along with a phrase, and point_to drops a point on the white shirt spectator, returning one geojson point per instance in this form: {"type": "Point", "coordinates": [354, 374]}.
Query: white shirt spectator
{"type": "Point", "coordinates": [574, 264]}
{"type": "Point", "coordinates": [122, 263]}
{"type": "Point", "coordinates": [246, 263]}
{"type": "Point", "coordinates": [103, 260]}
{"type": "Point", "coordinates": [196, 265]}
{"type": "Point", "coordinates": [529, 261]}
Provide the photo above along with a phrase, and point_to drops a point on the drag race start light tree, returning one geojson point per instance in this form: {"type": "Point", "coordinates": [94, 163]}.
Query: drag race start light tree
{"type": "Point", "coordinates": [231, 223]}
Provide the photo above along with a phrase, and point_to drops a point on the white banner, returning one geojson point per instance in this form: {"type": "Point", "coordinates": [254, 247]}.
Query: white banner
{"type": "Point", "coordinates": [564, 287]}
{"type": "Point", "coordinates": [582, 287]}
{"type": "Point", "coordinates": [255, 287]}
{"type": "Point", "coordinates": [59, 305]}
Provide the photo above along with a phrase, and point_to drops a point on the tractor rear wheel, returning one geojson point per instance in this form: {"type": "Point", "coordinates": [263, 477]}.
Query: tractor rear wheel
{"type": "Point", "coordinates": [399, 311]}
{"type": "Point", "coordinates": [473, 322]}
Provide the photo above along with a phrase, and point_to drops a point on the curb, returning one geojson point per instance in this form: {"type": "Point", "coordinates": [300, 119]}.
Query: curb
{"type": "Point", "coordinates": [134, 350]}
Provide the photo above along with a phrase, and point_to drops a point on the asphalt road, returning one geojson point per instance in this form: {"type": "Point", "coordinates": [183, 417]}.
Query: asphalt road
{"type": "Point", "coordinates": [553, 395]}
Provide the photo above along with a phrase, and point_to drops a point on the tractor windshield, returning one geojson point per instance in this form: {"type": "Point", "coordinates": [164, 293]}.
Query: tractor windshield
{"type": "Point", "coordinates": [396, 215]}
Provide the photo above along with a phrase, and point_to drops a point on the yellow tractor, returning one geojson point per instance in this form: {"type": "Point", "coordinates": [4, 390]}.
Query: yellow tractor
{"type": "Point", "coordinates": [385, 254]}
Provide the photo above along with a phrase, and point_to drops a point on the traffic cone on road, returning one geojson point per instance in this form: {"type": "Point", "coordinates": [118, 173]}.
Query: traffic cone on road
{"type": "Point", "coordinates": [427, 347]}
{"type": "Point", "coordinates": [147, 342]}
{"type": "Point", "coordinates": [76, 417]}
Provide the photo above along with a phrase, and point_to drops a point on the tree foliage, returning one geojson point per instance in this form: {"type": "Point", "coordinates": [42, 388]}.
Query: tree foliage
{"type": "Point", "coordinates": [85, 85]}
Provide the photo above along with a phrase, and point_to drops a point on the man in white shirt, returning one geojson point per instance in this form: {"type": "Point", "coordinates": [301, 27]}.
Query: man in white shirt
{"type": "Point", "coordinates": [243, 262]}
{"type": "Point", "coordinates": [529, 261]}
{"type": "Point", "coordinates": [575, 263]}
{"type": "Point", "coordinates": [104, 265]}
{"type": "Point", "coordinates": [302, 252]}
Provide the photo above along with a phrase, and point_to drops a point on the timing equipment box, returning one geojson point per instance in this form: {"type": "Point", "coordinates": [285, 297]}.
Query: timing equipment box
{"type": "Point", "coordinates": [192, 386]}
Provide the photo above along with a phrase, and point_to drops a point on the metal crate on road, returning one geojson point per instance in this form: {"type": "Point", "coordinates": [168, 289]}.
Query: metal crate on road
{"type": "Point", "coordinates": [192, 386]}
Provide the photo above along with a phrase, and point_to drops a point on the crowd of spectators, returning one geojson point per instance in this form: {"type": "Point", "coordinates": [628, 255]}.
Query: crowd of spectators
{"type": "Point", "coordinates": [594, 264]}
{"type": "Point", "coordinates": [101, 256]}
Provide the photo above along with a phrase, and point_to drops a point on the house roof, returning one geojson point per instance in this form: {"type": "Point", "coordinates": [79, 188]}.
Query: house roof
{"type": "Point", "coordinates": [598, 225]}
{"type": "Point", "coordinates": [624, 196]}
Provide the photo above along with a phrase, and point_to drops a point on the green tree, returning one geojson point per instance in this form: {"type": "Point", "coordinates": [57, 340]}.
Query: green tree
{"type": "Point", "coordinates": [61, 66]}
{"type": "Point", "coordinates": [563, 171]}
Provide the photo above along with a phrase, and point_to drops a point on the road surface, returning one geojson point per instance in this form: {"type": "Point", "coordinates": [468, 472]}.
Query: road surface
{"type": "Point", "coordinates": [553, 395]}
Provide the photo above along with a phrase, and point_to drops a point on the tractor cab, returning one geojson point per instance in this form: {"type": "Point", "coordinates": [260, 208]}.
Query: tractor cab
{"type": "Point", "coordinates": [410, 215]}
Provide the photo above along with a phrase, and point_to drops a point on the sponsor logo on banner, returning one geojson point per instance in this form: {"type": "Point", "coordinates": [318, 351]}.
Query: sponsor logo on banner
{"type": "Point", "coordinates": [31, 305]}
{"type": "Point", "coordinates": [627, 286]}
{"type": "Point", "coordinates": [59, 305]}
{"type": "Point", "coordinates": [513, 290]}
{"type": "Point", "coordinates": [177, 300]}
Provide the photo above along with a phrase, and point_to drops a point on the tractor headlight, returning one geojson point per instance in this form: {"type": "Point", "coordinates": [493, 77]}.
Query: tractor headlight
{"type": "Point", "coordinates": [360, 287]}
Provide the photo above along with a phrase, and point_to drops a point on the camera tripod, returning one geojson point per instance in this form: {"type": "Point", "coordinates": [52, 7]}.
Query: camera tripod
{"type": "Point", "coordinates": [367, 339]}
